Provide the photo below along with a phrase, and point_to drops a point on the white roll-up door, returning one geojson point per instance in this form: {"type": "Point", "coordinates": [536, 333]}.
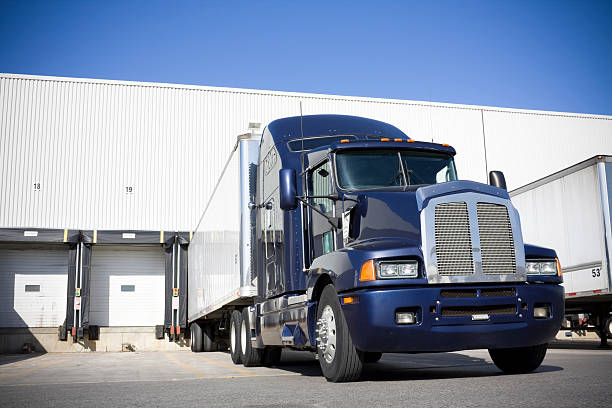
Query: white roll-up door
{"type": "Point", "coordinates": [127, 286]}
{"type": "Point", "coordinates": [33, 283]}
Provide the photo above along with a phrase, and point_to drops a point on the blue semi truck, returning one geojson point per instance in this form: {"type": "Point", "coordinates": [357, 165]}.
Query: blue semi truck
{"type": "Point", "coordinates": [341, 235]}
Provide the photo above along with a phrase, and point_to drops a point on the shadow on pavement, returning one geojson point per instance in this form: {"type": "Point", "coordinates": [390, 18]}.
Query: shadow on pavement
{"type": "Point", "coordinates": [577, 345]}
{"type": "Point", "coordinates": [401, 367]}
{"type": "Point", "coordinates": [16, 358]}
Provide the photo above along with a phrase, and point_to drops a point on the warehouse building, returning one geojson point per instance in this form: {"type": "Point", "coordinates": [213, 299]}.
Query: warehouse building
{"type": "Point", "coordinates": [102, 182]}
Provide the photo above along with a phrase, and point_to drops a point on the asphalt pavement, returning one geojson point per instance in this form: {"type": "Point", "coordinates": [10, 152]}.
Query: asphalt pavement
{"type": "Point", "coordinates": [573, 374]}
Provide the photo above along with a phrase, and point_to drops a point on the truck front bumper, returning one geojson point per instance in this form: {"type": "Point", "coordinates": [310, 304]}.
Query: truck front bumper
{"type": "Point", "coordinates": [447, 322]}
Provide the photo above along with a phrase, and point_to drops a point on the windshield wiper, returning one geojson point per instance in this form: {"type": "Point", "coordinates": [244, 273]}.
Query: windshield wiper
{"type": "Point", "coordinates": [399, 156]}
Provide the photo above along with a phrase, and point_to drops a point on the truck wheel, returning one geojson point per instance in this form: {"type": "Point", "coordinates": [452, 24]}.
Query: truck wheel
{"type": "Point", "coordinates": [251, 357]}
{"type": "Point", "coordinates": [207, 338]}
{"type": "Point", "coordinates": [608, 327]}
{"type": "Point", "coordinates": [371, 356]}
{"type": "Point", "coordinates": [235, 323]}
{"type": "Point", "coordinates": [271, 356]}
{"type": "Point", "coordinates": [338, 357]}
{"type": "Point", "coordinates": [519, 360]}
{"type": "Point", "coordinates": [196, 337]}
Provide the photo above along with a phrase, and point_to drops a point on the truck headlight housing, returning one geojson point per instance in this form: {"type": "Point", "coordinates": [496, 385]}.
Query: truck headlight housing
{"type": "Point", "coordinates": [397, 269]}
{"type": "Point", "coordinates": [543, 267]}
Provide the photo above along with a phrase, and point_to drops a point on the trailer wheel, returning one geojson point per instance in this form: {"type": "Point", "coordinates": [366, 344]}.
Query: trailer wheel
{"type": "Point", "coordinates": [235, 324]}
{"type": "Point", "coordinates": [608, 328]}
{"type": "Point", "coordinates": [207, 338]}
{"type": "Point", "coordinates": [519, 360]}
{"type": "Point", "coordinates": [251, 356]}
{"type": "Point", "coordinates": [338, 357]}
{"type": "Point", "coordinates": [271, 356]}
{"type": "Point", "coordinates": [371, 356]}
{"type": "Point", "coordinates": [196, 337]}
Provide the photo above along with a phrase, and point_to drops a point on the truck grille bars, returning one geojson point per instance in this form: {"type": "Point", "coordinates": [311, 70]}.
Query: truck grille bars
{"type": "Point", "coordinates": [454, 242]}
{"type": "Point", "coordinates": [496, 242]}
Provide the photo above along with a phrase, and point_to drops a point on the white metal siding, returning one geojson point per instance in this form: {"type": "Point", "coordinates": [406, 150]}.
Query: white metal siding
{"type": "Point", "coordinates": [114, 266]}
{"type": "Point", "coordinates": [565, 214]}
{"type": "Point", "coordinates": [86, 140]}
{"type": "Point", "coordinates": [47, 267]}
{"type": "Point", "coordinates": [214, 264]}
{"type": "Point", "coordinates": [530, 146]}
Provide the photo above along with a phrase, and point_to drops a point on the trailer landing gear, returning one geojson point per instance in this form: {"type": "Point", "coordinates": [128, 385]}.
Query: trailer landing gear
{"type": "Point", "coordinates": [604, 329]}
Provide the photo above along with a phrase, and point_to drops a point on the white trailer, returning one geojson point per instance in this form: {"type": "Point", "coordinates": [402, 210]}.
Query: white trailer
{"type": "Point", "coordinates": [570, 211]}
{"type": "Point", "coordinates": [222, 274]}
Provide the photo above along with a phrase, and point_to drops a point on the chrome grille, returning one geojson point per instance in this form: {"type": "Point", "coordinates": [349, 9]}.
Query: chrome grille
{"type": "Point", "coordinates": [496, 240]}
{"type": "Point", "coordinates": [453, 239]}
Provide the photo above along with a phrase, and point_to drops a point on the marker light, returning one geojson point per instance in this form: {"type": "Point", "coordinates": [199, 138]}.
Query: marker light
{"type": "Point", "coordinates": [410, 141]}
{"type": "Point", "coordinates": [397, 140]}
{"type": "Point", "coordinates": [367, 271]}
{"type": "Point", "coordinates": [445, 145]}
{"type": "Point", "coordinates": [384, 139]}
{"type": "Point", "coordinates": [345, 141]}
{"type": "Point", "coordinates": [559, 271]}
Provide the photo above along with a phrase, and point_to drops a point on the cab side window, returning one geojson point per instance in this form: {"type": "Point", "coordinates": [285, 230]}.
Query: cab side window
{"type": "Point", "coordinates": [322, 232]}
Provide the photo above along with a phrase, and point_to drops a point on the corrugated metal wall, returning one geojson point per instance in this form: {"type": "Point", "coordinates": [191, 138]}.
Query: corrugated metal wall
{"type": "Point", "coordinates": [92, 154]}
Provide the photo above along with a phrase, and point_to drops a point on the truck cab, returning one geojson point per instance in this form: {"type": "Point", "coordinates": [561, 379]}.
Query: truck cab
{"type": "Point", "coordinates": [367, 242]}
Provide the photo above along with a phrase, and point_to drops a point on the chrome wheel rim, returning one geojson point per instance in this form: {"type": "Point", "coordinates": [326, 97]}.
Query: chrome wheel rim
{"type": "Point", "coordinates": [326, 330]}
{"type": "Point", "coordinates": [243, 336]}
{"type": "Point", "coordinates": [233, 337]}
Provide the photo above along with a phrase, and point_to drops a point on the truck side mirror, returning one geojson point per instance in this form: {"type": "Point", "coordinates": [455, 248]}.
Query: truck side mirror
{"type": "Point", "coordinates": [287, 189]}
{"type": "Point", "coordinates": [497, 179]}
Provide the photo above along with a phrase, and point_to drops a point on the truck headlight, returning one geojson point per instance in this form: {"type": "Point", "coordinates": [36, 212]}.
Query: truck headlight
{"type": "Point", "coordinates": [542, 267]}
{"type": "Point", "coordinates": [397, 269]}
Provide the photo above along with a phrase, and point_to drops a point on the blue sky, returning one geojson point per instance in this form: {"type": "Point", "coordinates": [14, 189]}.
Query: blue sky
{"type": "Point", "coordinates": [550, 55]}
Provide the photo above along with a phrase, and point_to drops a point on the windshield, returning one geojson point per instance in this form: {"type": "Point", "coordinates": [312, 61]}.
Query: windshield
{"type": "Point", "coordinates": [374, 169]}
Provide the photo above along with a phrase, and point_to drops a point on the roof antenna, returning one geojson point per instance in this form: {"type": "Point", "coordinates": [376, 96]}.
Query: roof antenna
{"type": "Point", "coordinates": [301, 126]}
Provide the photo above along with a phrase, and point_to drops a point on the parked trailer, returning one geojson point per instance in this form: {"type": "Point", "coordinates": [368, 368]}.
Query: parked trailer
{"type": "Point", "coordinates": [342, 236]}
{"type": "Point", "coordinates": [570, 211]}
{"type": "Point", "coordinates": [222, 274]}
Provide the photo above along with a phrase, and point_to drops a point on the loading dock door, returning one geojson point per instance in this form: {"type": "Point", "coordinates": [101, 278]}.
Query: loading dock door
{"type": "Point", "coordinates": [127, 285]}
{"type": "Point", "coordinates": [33, 283]}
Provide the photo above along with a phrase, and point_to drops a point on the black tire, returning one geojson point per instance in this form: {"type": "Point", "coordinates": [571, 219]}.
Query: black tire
{"type": "Point", "coordinates": [271, 356]}
{"type": "Point", "coordinates": [345, 365]}
{"type": "Point", "coordinates": [519, 360]}
{"type": "Point", "coordinates": [207, 338]}
{"type": "Point", "coordinates": [196, 337]}
{"type": "Point", "coordinates": [235, 323]}
{"type": "Point", "coordinates": [371, 357]}
{"type": "Point", "coordinates": [609, 327]}
{"type": "Point", "coordinates": [251, 357]}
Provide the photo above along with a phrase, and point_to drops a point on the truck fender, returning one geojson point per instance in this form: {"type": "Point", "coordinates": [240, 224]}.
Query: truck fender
{"type": "Point", "coordinates": [316, 283]}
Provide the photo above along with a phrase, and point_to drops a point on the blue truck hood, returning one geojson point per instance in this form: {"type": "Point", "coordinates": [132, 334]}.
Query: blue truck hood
{"type": "Point", "coordinates": [381, 218]}
{"type": "Point", "coordinates": [385, 215]}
